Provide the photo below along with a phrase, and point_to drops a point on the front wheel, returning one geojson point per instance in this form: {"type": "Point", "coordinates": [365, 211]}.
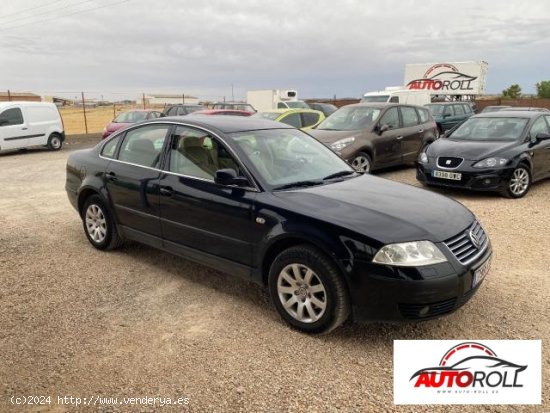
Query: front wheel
{"type": "Point", "coordinates": [55, 142]}
{"type": "Point", "coordinates": [519, 183]}
{"type": "Point", "coordinates": [362, 162]}
{"type": "Point", "coordinates": [308, 290]}
{"type": "Point", "coordinates": [98, 224]}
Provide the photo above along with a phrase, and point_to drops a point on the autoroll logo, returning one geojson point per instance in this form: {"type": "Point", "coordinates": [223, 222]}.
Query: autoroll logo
{"type": "Point", "coordinates": [470, 365]}
{"type": "Point", "coordinates": [467, 372]}
{"type": "Point", "coordinates": [443, 77]}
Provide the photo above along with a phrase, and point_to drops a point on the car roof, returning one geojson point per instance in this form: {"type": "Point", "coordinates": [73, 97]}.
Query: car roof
{"type": "Point", "coordinates": [447, 103]}
{"type": "Point", "coordinates": [24, 103]}
{"type": "Point", "coordinates": [381, 105]}
{"type": "Point", "coordinates": [509, 114]}
{"type": "Point", "coordinates": [225, 124]}
{"type": "Point", "coordinates": [290, 110]}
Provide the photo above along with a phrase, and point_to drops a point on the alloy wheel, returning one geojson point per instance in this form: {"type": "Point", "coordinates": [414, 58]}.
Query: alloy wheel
{"type": "Point", "coordinates": [519, 183]}
{"type": "Point", "coordinates": [301, 293]}
{"type": "Point", "coordinates": [361, 163]}
{"type": "Point", "coordinates": [96, 224]}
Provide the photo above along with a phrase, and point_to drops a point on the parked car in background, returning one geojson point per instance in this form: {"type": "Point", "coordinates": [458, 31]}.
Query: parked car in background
{"type": "Point", "coordinates": [503, 151]}
{"type": "Point", "coordinates": [292, 104]}
{"type": "Point", "coordinates": [487, 109]}
{"type": "Point", "coordinates": [449, 114]}
{"type": "Point", "coordinates": [525, 108]}
{"type": "Point", "coordinates": [127, 118]}
{"type": "Point", "coordinates": [230, 112]}
{"type": "Point", "coordinates": [181, 109]}
{"type": "Point", "coordinates": [26, 124]}
{"type": "Point", "coordinates": [234, 106]}
{"type": "Point", "coordinates": [376, 135]}
{"type": "Point", "coordinates": [303, 119]}
{"type": "Point", "coordinates": [327, 108]}
{"type": "Point", "coordinates": [267, 202]}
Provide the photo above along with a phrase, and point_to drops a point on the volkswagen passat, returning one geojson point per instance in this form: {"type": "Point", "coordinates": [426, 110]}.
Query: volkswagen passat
{"type": "Point", "coordinates": [267, 202]}
{"type": "Point", "coordinates": [502, 151]}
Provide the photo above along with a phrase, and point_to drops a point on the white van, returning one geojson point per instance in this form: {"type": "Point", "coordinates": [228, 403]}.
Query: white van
{"type": "Point", "coordinates": [24, 124]}
{"type": "Point", "coordinates": [411, 97]}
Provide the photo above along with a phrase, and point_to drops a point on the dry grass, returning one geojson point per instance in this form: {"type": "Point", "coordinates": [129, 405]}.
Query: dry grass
{"type": "Point", "coordinates": [97, 118]}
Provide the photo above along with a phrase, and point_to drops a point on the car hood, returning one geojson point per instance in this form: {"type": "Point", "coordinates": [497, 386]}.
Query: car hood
{"type": "Point", "coordinates": [330, 136]}
{"type": "Point", "coordinates": [469, 150]}
{"type": "Point", "coordinates": [381, 209]}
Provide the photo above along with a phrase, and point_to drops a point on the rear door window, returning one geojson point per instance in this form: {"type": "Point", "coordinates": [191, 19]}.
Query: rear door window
{"type": "Point", "coordinates": [293, 119]}
{"type": "Point", "coordinates": [109, 149]}
{"type": "Point", "coordinates": [459, 110]}
{"type": "Point", "coordinates": [448, 111]}
{"type": "Point", "coordinates": [423, 115]}
{"type": "Point", "coordinates": [143, 145]}
{"type": "Point", "coordinates": [409, 115]}
{"type": "Point", "coordinates": [309, 119]}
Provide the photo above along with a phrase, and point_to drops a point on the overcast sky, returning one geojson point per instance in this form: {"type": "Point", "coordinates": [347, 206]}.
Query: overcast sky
{"type": "Point", "coordinates": [321, 48]}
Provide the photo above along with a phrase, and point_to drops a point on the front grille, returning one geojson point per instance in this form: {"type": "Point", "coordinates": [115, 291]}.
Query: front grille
{"type": "Point", "coordinates": [449, 162]}
{"type": "Point", "coordinates": [469, 244]}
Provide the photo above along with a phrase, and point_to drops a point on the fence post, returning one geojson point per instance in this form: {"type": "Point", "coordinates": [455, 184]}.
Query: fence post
{"type": "Point", "coordinates": [84, 110]}
{"type": "Point", "coordinates": [143, 97]}
{"type": "Point", "coordinates": [334, 100]}
{"type": "Point", "coordinates": [114, 110]}
{"type": "Point", "coordinates": [183, 98]}
{"type": "Point", "coordinates": [9, 96]}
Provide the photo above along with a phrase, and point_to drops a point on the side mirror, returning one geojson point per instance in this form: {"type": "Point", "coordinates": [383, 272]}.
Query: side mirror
{"type": "Point", "coordinates": [229, 176]}
{"type": "Point", "coordinates": [542, 136]}
{"type": "Point", "coordinates": [162, 115]}
{"type": "Point", "coordinates": [383, 128]}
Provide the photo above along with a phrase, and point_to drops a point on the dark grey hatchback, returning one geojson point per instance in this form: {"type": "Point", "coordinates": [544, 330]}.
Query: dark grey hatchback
{"type": "Point", "coordinates": [269, 203]}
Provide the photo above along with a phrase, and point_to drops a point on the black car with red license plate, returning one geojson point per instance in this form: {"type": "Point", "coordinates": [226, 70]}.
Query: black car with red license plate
{"type": "Point", "coordinates": [502, 151]}
{"type": "Point", "coordinates": [267, 202]}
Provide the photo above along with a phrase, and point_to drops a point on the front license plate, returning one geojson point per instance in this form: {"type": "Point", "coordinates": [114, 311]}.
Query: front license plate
{"type": "Point", "coordinates": [481, 272]}
{"type": "Point", "coordinates": [455, 176]}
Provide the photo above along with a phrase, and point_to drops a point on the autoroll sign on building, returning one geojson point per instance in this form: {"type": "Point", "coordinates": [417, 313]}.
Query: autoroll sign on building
{"type": "Point", "coordinates": [457, 78]}
{"type": "Point", "coordinates": [467, 372]}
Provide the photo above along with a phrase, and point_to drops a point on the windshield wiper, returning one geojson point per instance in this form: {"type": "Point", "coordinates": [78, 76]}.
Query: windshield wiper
{"type": "Point", "coordinates": [338, 174]}
{"type": "Point", "coordinates": [298, 184]}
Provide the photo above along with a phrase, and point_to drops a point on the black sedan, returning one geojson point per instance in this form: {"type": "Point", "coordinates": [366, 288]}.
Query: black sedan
{"type": "Point", "coordinates": [267, 202]}
{"type": "Point", "coordinates": [501, 151]}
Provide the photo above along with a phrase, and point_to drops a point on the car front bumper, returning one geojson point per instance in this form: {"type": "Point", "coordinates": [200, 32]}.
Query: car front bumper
{"type": "Point", "coordinates": [399, 294]}
{"type": "Point", "coordinates": [472, 179]}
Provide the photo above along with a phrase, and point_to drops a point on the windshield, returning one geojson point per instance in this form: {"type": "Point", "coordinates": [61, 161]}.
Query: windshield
{"type": "Point", "coordinates": [286, 156]}
{"type": "Point", "coordinates": [351, 118]}
{"type": "Point", "coordinates": [266, 115]}
{"type": "Point", "coordinates": [435, 110]}
{"type": "Point", "coordinates": [376, 98]}
{"type": "Point", "coordinates": [490, 129]}
{"type": "Point", "coordinates": [130, 117]}
{"type": "Point", "coordinates": [297, 104]}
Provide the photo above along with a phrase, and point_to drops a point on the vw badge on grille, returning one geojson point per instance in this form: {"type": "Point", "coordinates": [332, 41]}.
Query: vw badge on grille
{"type": "Point", "coordinates": [474, 238]}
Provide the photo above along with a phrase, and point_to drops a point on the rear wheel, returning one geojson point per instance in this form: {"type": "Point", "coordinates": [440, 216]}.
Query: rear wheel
{"type": "Point", "coordinates": [308, 290]}
{"type": "Point", "coordinates": [98, 224]}
{"type": "Point", "coordinates": [519, 183]}
{"type": "Point", "coordinates": [362, 162]}
{"type": "Point", "coordinates": [54, 142]}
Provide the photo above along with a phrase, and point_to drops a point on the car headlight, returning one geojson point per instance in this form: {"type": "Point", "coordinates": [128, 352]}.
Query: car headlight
{"type": "Point", "coordinates": [490, 163]}
{"type": "Point", "coordinates": [422, 158]}
{"type": "Point", "coordinates": [342, 143]}
{"type": "Point", "coordinates": [409, 254]}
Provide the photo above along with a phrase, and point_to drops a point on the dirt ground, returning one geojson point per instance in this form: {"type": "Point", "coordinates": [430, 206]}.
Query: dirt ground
{"type": "Point", "coordinates": [137, 322]}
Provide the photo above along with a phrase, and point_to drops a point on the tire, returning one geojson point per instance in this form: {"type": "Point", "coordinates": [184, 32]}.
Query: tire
{"type": "Point", "coordinates": [362, 162]}
{"type": "Point", "coordinates": [311, 287]}
{"type": "Point", "coordinates": [519, 183]}
{"type": "Point", "coordinates": [99, 226]}
{"type": "Point", "coordinates": [55, 142]}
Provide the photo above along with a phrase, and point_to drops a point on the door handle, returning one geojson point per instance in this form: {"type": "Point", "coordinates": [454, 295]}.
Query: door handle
{"type": "Point", "coordinates": [111, 176]}
{"type": "Point", "coordinates": [166, 190]}
{"type": "Point", "coordinates": [399, 137]}
{"type": "Point", "coordinates": [24, 128]}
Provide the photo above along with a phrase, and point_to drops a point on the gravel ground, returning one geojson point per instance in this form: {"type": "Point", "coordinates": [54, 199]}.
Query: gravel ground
{"type": "Point", "coordinates": [138, 322]}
